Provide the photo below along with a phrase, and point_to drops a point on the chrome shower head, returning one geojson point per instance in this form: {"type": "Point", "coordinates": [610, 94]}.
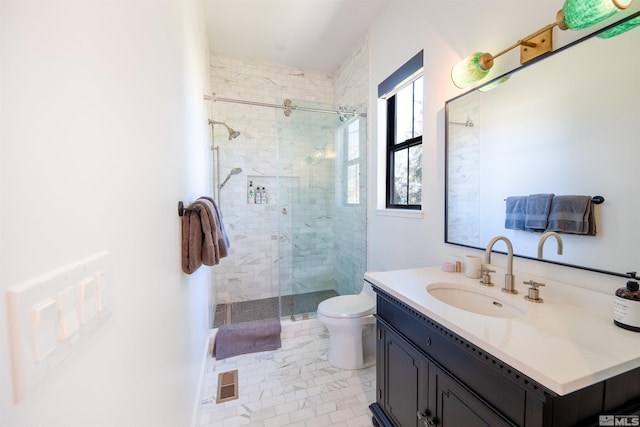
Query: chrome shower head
{"type": "Point", "coordinates": [233, 134]}
{"type": "Point", "coordinates": [234, 171]}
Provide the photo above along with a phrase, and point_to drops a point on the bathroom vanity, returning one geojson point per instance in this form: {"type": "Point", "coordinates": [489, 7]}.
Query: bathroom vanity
{"type": "Point", "coordinates": [551, 364]}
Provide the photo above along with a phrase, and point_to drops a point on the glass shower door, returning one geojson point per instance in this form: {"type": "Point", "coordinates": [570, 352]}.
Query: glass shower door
{"type": "Point", "coordinates": [322, 214]}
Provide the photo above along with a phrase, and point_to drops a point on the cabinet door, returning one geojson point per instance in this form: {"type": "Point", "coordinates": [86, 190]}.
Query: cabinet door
{"type": "Point", "coordinates": [455, 406]}
{"type": "Point", "coordinates": [405, 382]}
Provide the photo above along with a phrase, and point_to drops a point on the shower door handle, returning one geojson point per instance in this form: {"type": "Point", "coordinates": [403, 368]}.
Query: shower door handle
{"type": "Point", "coordinates": [284, 211]}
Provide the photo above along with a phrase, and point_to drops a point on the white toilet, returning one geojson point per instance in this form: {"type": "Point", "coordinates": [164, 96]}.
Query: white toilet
{"type": "Point", "coordinates": [351, 325]}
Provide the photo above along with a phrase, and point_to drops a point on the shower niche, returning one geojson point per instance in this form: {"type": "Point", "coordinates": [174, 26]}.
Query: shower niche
{"type": "Point", "coordinates": [259, 189]}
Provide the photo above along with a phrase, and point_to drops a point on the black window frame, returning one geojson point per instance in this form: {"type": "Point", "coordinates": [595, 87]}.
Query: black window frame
{"type": "Point", "coordinates": [392, 148]}
{"type": "Point", "coordinates": [387, 90]}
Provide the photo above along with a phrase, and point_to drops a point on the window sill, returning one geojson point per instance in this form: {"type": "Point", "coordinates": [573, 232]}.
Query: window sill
{"type": "Point", "coordinates": [401, 213]}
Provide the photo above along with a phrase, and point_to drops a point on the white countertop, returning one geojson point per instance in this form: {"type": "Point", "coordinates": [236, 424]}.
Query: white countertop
{"type": "Point", "coordinates": [557, 343]}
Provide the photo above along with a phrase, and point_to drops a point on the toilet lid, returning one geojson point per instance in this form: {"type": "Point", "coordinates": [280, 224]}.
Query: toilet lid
{"type": "Point", "coordinates": [347, 306]}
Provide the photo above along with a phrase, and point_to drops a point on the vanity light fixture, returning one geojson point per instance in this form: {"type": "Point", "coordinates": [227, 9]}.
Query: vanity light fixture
{"type": "Point", "coordinates": [621, 28]}
{"type": "Point", "coordinates": [494, 84]}
{"type": "Point", "coordinates": [575, 15]}
{"type": "Point", "coordinates": [476, 66]}
{"type": "Point", "coordinates": [580, 14]}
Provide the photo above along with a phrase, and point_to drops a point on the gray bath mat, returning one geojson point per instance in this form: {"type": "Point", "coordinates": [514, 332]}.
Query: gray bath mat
{"type": "Point", "coordinates": [247, 337]}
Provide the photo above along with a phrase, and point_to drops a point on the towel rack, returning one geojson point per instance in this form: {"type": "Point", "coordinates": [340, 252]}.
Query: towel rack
{"type": "Point", "coordinates": [596, 200]}
{"type": "Point", "coordinates": [182, 209]}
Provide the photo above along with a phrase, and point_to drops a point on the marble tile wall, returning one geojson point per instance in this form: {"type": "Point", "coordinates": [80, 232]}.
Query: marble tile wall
{"type": "Point", "coordinates": [351, 89]}
{"type": "Point", "coordinates": [311, 248]}
{"type": "Point", "coordinates": [463, 188]}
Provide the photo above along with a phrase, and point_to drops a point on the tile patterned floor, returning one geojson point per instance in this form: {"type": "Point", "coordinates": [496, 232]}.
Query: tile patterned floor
{"type": "Point", "coordinates": [292, 386]}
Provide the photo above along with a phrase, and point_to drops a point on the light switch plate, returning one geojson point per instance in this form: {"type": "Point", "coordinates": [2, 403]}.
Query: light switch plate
{"type": "Point", "coordinates": [88, 299]}
{"type": "Point", "coordinates": [44, 328]}
{"type": "Point", "coordinates": [50, 315]}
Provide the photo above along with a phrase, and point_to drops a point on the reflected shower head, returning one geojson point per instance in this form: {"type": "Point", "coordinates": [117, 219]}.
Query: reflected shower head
{"type": "Point", "coordinates": [234, 171]}
{"type": "Point", "coordinates": [233, 134]}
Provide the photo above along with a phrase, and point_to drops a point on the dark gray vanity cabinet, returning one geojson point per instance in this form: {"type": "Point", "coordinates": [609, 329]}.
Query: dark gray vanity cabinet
{"type": "Point", "coordinates": [415, 392]}
{"type": "Point", "coordinates": [427, 376]}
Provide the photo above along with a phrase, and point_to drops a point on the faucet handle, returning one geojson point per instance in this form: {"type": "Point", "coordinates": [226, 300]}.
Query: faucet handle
{"type": "Point", "coordinates": [486, 277]}
{"type": "Point", "coordinates": [534, 292]}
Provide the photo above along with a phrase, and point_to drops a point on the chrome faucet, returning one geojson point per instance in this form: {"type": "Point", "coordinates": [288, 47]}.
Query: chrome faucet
{"type": "Point", "coordinates": [509, 286]}
{"type": "Point", "coordinates": [544, 237]}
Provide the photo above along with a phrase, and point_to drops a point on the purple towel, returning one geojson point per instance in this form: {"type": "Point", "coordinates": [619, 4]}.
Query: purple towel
{"type": "Point", "coordinates": [247, 337]}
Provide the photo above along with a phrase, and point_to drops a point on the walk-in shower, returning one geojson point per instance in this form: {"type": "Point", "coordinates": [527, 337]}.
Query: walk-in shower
{"type": "Point", "coordinates": [305, 241]}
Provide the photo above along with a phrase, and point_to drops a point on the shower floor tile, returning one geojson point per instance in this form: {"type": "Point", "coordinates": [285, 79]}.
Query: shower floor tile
{"type": "Point", "coordinates": [246, 311]}
{"type": "Point", "coordinates": [291, 386]}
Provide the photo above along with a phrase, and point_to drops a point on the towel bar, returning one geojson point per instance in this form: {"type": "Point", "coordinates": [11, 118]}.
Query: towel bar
{"type": "Point", "coordinates": [596, 200]}
{"type": "Point", "coordinates": [182, 209]}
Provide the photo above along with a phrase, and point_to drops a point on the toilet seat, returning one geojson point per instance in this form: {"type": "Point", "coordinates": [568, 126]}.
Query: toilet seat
{"type": "Point", "coordinates": [347, 306]}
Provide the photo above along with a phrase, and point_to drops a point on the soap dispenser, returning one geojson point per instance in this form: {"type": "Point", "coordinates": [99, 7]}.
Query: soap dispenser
{"type": "Point", "coordinates": [626, 307]}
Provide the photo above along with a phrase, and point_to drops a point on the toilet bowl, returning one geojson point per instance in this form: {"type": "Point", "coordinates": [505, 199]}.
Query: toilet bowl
{"type": "Point", "coordinates": [351, 325]}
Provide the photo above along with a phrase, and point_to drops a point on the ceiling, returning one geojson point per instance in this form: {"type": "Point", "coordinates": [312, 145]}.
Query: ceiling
{"type": "Point", "coordinates": [316, 35]}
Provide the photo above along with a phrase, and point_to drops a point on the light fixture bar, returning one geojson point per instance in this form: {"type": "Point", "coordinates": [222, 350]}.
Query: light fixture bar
{"type": "Point", "coordinates": [476, 66]}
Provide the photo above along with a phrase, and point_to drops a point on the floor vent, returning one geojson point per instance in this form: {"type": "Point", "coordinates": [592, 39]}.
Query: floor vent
{"type": "Point", "coordinates": [227, 386]}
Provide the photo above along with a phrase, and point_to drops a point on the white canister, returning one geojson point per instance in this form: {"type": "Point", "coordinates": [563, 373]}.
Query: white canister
{"type": "Point", "coordinates": [472, 266]}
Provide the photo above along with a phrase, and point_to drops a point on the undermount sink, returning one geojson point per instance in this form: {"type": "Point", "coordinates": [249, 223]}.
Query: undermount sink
{"type": "Point", "coordinates": [476, 302]}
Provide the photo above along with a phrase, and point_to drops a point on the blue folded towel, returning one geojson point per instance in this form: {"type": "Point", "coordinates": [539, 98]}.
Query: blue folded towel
{"type": "Point", "coordinates": [516, 208]}
{"type": "Point", "coordinates": [537, 213]}
{"type": "Point", "coordinates": [572, 214]}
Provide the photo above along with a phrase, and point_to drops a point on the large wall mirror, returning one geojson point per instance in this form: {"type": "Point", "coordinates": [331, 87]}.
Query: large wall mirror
{"type": "Point", "coordinates": [568, 124]}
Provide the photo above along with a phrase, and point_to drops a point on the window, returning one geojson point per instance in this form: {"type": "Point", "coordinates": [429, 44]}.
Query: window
{"type": "Point", "coordinates": [403, 93]}
{"type": "Point", "coordinates": [350, 162]}
{"type": "Point", "coordinates": [404, 147]}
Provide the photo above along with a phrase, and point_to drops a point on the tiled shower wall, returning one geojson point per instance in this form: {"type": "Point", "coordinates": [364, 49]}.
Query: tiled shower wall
{"type": "Point", "coordinates": [351, 88]}
{"type": "Point", "coordinates": [262, 253]}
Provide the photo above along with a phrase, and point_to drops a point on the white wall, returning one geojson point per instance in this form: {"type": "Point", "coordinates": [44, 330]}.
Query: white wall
{"type": "Point", "coordinates": [447, 31]}
{"type": "Point", "coordinates": [103, 130]}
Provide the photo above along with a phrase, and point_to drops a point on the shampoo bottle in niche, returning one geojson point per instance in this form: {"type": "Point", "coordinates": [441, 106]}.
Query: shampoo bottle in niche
{"type": "Point", "coordinates": [251, 196]}
{"type": "Point", "coordinates": [626, 306]}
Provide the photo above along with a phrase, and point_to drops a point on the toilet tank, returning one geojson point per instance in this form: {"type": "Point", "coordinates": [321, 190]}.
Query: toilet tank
{"type": "Point", "coordinates": [367, 290]}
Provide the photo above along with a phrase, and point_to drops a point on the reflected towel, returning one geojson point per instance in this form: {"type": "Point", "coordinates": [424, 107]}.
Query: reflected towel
{"type": "Point", "coordinates": [572, 214]}
{"type": "Point", "coordinates": [516, 209]}
{"type": "Point", "coordinates": [537, 212]}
